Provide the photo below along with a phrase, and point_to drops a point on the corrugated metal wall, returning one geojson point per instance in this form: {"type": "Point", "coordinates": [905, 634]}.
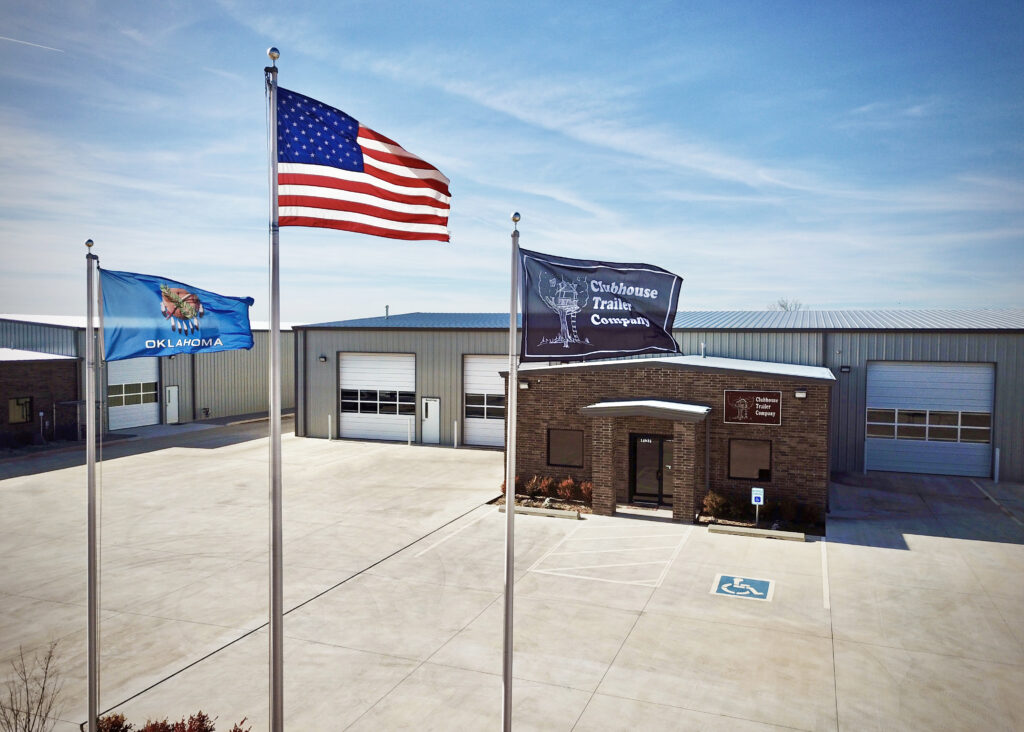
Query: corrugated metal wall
{"type": "Point", "coordinates": [797, 347]}
{"type": "Point", "coordinates": [39, 337]}
{"type": "Point", "coordinates": [438, 368]}
{"type": "Point", "coordinates": [439, 372]}
{"type": "Point", "coordinates": [230, 383]}
{"type": "Point", "coordinates": [855, 349]}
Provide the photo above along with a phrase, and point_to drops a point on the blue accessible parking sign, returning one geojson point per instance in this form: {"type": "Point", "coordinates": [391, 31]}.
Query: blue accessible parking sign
{"type": "Point", "coordinates": [748, 588]}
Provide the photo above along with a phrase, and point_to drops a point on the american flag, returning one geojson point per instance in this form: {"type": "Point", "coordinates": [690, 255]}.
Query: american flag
{"type": "Point", "coordinates": [335, 173]}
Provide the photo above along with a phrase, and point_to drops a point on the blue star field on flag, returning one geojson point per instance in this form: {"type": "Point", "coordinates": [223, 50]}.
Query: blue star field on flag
{"type": "Point", "coordinates": [311, 132]}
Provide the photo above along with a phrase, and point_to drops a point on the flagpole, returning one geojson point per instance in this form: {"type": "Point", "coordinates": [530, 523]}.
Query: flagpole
{"type": "Point", "coordinates": [276, 564]}
{"type": "Point", "coordinates": [510, 483]}
{"type": "Point", "coordinates": [92, 632]}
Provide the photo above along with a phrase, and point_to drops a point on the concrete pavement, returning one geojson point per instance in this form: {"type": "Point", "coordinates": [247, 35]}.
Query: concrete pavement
{"type": "Point", "coordinates": [906, 617]}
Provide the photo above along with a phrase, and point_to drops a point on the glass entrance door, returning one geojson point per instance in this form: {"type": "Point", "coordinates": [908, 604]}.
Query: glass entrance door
{"type": "Point", "coordinates": [651, 469]}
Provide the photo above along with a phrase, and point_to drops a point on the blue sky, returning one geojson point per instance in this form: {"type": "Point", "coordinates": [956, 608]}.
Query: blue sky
{"type": "Point", "coordinates": [849, 155]}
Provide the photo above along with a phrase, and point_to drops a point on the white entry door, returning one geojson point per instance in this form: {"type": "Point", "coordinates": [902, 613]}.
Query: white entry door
{"type": "Point", "coordinates": [171, 404]}
{"type": "Point", "coordinates": [430, 420]}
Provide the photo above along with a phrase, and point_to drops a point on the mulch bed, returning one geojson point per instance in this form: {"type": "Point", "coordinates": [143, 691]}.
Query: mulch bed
{"type": "Point", "coordinates": [810, 529]}
{"type": "Point", "coordinates": [556, 503]}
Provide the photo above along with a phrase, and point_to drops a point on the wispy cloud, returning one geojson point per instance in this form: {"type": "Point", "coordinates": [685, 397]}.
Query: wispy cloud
{"type": "Point", "coordinates": [29, 43]}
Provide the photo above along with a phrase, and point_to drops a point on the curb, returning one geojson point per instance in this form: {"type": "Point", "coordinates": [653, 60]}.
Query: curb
{"type": "Point", "coordinates": [550, 512]}
{"type": "Point", "coordinates": [761, 533]}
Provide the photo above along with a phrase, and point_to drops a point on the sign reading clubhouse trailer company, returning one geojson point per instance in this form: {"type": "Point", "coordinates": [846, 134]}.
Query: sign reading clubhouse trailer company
{"type": "Point", "coordinates": [145, 315]}
{"type": "Point", "coordinates": [753, 407]}
{"type": "Point", "coordinates": [579, 309]}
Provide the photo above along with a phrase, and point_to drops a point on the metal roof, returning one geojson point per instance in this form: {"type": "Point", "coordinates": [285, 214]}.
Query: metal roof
{"type": "Point", "coordinates": [15, 354]}
{"type": "Point", "coordinates": [712, 363]}
{"type": "Point", "coordinates": [731, 320]}
{"type": "Point", "coordinates": [78, 321]}
{"type": "Point", "coordinates": [851, 320]}
{"type": "Point", "coordinates": [439, 321]}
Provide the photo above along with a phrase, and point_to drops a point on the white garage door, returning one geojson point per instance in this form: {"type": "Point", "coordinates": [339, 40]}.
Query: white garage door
{"type": "Point", "coordinates": [132, 392]}
{"type": "Point", "coordinates": [929, 418]}
{"type": "Point", "coordinates": [484, 400]}
{"type": "Point", "coordinates": [378, 395]}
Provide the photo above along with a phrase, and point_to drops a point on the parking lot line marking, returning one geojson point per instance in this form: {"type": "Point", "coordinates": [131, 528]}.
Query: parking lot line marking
{"type": "Point", "coordinates": [604, 566]}
{"type": "Point", "coordinates": [824, 576]}
{"type": "Point", "coordinates": [642, 583]}
{"type": "Point", "coordinates": [548, 553]}
{"type": "Point", "coordinates": [1003, 508]}
{"type": "Point", "coordinates": [668, 564]}
{"type": "Point", "coordinates": [484, 515]}
{"type": "Point", "coordinates": [613, 538]}
{"type": "Point", "coordinates": [608, 551]}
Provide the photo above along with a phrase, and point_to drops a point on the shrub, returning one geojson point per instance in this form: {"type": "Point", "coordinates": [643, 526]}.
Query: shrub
{"type": "Point", "coordinates": [518, 489]}
{"type": "Point", "coordinates": [587, 491]}
{"type": "Point", "coordinates": [32, 697]}
{"type": "Point", "coordinates": [533, 486]}
{"type": "Point", "coordinates": [715, 505]}
{"type": "Point", "coordinates": [740, 508]}
{"type": "Point", "coordinates": [546, 487]}
{"type": "Point", "coordinates": [115, 723]}
{"type": "Point", "coordinates": [788, 511]}
{"type": "Point", "coordinates": [566, 489]}
{"type": "Point", "coordinates": [198, 722]}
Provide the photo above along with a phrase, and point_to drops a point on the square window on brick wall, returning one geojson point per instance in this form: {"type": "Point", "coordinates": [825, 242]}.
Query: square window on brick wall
{"type": "Point", "coordinates": [565, 448]}
{"type": "Point", "coordinates": [19, 410]}
{"type": "Point", "coordinates": [750, 459]}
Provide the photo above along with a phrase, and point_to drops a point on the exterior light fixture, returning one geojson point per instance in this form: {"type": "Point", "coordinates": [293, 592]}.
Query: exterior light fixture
{"type": "Point", "coordinates": [524, 384]}
{"type": "Point", "coordinates": [322, 359]}
{"type": "Point", "coordinates": [844, 369]}
{"type": "Point", "coordinates": [801, 394]}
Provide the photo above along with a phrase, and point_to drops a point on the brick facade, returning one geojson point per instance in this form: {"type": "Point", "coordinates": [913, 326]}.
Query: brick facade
{"type": "Point", "coordinates": [46, 382]}
{"type": "Point", "coordinates": [800, 445]}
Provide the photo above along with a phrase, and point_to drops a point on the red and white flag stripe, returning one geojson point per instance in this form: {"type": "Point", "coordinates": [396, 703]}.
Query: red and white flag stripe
{"type": "Point", "coordinates": [397, 195]}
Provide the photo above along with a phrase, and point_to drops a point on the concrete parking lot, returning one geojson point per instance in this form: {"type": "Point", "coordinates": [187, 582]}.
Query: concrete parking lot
{"type": "Point", "coordinates": [908, 616]}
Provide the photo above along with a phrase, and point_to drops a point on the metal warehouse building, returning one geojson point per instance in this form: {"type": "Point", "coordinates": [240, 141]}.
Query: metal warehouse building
{"type": "Point", "coordinates": [924, 391]}
{"type": "Point", "coordinates": [161, 390]}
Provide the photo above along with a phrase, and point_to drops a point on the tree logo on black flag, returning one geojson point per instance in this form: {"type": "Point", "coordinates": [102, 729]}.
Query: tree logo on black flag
{"type": "Point", "coordinates": [567, 298]}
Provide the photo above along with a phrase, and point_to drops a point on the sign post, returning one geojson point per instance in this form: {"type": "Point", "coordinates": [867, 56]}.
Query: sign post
{"type": "Point", "coordinates": [757, 498]}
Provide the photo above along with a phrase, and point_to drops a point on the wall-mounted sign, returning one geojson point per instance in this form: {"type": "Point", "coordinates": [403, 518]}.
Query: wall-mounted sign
{"type": "Point", "coordinates": [753, 407]}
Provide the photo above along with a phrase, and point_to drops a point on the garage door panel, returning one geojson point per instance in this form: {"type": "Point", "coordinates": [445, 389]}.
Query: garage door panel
{"type": "Point", "coordinates": [481, 375]}
{"type": "Point", "coordinates": [132, 371]}
{"type": "Point", "coordinates": [376, 372]}
{"type": "Point", "coordinates": [928, 388]}
{"type": "Point", "coordinates": [907, 456]}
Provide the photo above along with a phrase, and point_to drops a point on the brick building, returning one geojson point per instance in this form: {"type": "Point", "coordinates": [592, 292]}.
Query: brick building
{"type": "Point", "coordinates": [38, 393]}
{"type": "Point", "coordinates": [667, 430]}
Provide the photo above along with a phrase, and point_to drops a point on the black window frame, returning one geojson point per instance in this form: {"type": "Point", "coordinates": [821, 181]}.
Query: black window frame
{"type": "Point", "coordinates": [484, 406]}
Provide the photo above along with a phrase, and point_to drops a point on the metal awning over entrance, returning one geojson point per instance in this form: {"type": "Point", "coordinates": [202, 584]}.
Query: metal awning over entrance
{"type": "Point", "coordinates": [657, 408]}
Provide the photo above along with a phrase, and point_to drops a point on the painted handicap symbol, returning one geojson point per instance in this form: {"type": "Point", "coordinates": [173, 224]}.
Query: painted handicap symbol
{"type": "Point", "coordinates": [737, 587]}
{"type": "Point", "coordinates": [748, 588]}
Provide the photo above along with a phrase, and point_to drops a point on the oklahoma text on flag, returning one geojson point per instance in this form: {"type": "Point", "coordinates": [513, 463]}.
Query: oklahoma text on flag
{"type": "Point", "coordinates": [580, 310]}
{"type": "Point", "coordinates": [145, 315]}
{"type": "Point", "coordinates": [335, 173]}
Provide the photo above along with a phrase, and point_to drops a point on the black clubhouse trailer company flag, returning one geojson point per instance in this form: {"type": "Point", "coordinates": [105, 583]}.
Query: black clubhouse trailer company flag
{"type": "Point", "coordinates": [582, 310]}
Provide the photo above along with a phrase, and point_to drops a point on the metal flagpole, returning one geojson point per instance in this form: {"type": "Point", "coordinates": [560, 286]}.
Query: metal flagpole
{"type": "Point", "coordinates": [276, 564]}
{"type": "Point", "coordinates": [92, 632]}
{"type": "Point", "coordinates": [510, 483]}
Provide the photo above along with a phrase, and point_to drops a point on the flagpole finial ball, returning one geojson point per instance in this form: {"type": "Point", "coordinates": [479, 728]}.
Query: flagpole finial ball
{"type": "Point", "coordinates": [273, 53]}
{"type": "Point", "coordinates": [515, 217]}
{"type": "Point", "coordinates": [88, 243]}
